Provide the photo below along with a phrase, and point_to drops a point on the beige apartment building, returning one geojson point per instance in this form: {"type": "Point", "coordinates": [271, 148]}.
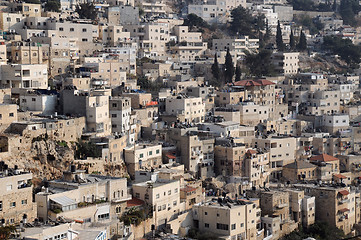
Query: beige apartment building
{"type": "Point", "coordinates": [29, 53]}
{"type": "Point", "coordinates": [286, 63]}
{"type": "Point", "coordinates": [229, 160]}
{"type": "Point", "coordinates": [302, 207]}
{"type": "Point", "coordinates": [238, 45]}
{"type": "Point", "coordinates": [82, 197]}
{"type": "Point", "coordinates": [8, 114]}
{"type": "Point", "coordinates": [229, 98]}
{"type": "Point", "coordinates": [238, 219]}
{"type": "Point", "coordinates": [97, 115]}
{"type": "Point", "coordinates": [282, 150]}
{"type": "Point", "coordinates": [299, 171]}
{"type": "Point", "coordinates": [16, 198]}
{"type": "Point", "coordinates": [336, 206]}
{"type": "Point", "coordinates": [120, 111]}
{"type": "Point", "coordinates": [164, 198]}
{"type": "Point", "coordinates": [24, 76]}
{"type": "Point", "coordinates": [186, 109]}
{"type": "Point", "coordinates": [256, 165]}
{"type": "Point", "coordinates": [215, 11]}
{"type": "Point", "coordinates": [143, 157]}
{"type": "Point", "coordinates": [27, 9]}
{"type": "Point", "coordinates": [196, 150]}
{"type": "Point", "coordinates": [252, 114]}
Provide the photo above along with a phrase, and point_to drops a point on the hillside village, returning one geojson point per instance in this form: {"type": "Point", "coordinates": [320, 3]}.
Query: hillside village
{"type": "Point", "coordinates": [183, 119]}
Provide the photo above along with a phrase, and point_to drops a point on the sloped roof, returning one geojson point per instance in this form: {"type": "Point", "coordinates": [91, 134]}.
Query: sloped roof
{"type": "Point", "coordinates": [344, 192]}
{"type": "Point", "coordinates": [64, 201]}
{"type": "Point", "coordinates": [256, 82]}
{"type": "Point", "coordinates": [323, 158]}
{"type": "Point", "coordinates": [299, 165]}
{"type": "Point", "coordinates": [135, 202]}
{"type": "Point", "coordinates": [339, 176]}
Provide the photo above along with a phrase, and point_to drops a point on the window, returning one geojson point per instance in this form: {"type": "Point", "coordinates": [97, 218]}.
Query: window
{"type": "Point", "coordinates": [84, 40]}
{"type": "Point", "coordinates": [206, 225]}
{"type": "Point", "coordinates": [150, 153]}
{"type": "Point", "coordinates": [222, 226]}
{"type": "Point", "coordinates": [13, 204]}
{"type": "Point", "coordinates": [233, 226]}
{"type": "Point", "coordinates": [169, 192]}
{"type": "Point", "coordinates": [141, 155]}
{"type": "Point", "coordinates": [157, 196]}
{"type": "Point", "coordinates": [84, 30]}
{"type": "Point", "coordinates": [9, 187]}
{"type": "Point", "coordinates": [205, 213]}
{"type": "Point", "coordinates": [61, 29]}
{"type": "Point", "coordinates": [157, 151]}
{"type": "Point", "coordinates": [176, 190]}
{"type": "Point", "coordinates": [71, 29]}
{"type": "Point", "coordinates": [1, 205]}
{"type": "Point", "coordinates": [11, 114]}
{"type": "Point", "coordinates": [24, 202]}
{"type": "Point", "coordinates": [137, 195]}
{"type": "Point", "coordinates": [174, 203]}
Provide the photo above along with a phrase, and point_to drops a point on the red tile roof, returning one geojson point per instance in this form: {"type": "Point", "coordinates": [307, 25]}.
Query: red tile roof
{"type": "Point", "coordinates": [343, 210]}
{"type": "Point", "coordinates": [251, 151]}
{"type": "Point", "coordinates": [339, 176]}
{"type": "Point", "coordinates": [256, 82]}
{"type": "Point", "coordinates": [344, 192]}
{"type": "Point", "coordinates": [188, 189]}
{"type": "Point", "coordinates": [170, 156]}
{"type": "Point", "coordinates": [323, 158]}
{"type": "Point", "coordinates": [135, 202]}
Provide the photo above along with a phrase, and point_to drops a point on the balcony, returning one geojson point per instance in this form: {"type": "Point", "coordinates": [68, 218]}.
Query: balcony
{"type": "Point", "coordinates": [281, 205]}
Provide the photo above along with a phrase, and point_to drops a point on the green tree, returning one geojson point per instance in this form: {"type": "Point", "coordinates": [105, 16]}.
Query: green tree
{"type": "Point", "coordinates": [348, 9]}
{"type": "Point", "coordinates": [347, 51]}
{"type": "Point", "coordinates": [302, 43]}
{"type": "Point", "coordinates": [86, 11]}
{"type": "Point", "coordinates": [33, 1]}
{"type": "Point", "coordinates": [215, 69]}
{"type": "Point", "coordinates": [334, 6]}
{"type": "Point", "coordinates": [238, 74]}
{"type": "Point", "coordinates": [193, 20]}
{"type": "Point", "coordinates": [319, 230]}
{"type": "Point", "coordinates": [5, 232]}
{"type": "Point", "coordinates": [279, 40]}
{"type": "Point", "coordinates": [242, 22]}
{"type": "Point", "coordinates": [52, 6]}
{"type": "Point", "coordinates": [85, 149]}
{"type": "Point", "coordinates": [228, 67]}
{"type": "Point", "coordinates": [292, 41]}
{"type": "Point", "coordinates": [260, 64]}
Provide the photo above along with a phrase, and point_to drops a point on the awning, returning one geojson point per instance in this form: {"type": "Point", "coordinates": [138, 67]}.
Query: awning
{"type": "Point", "coordinates": [339, 176]}
{"type": "Point", "coordinates": [64, 201]}
{"type": "Point", "coordinates": [343, 210]}
{"type": "Point", "coordinates": [344, 192]}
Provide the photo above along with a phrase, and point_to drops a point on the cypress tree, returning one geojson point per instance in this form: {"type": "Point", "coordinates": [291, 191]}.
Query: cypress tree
{"type": "Point", "coordinates": [302, 44]}
{"type": "Point", "coordinates": [215, 68]}
{"type": "Point", "coordinates": [238, 74]}
{"type": "Point", "coordinates": [279, 40]}
{"type": "Point", "coordinates": [229, 67]}
{"type": "Point", "coordinates": [292, 41]}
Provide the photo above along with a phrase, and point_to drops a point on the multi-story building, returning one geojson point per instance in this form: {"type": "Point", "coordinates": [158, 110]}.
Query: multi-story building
{"type": "Point", "coordinates": [24, 76]}
{"type": "Point", "coordinates": [163, 197]}
{"type": "Point", "coordinates": [16, 198]}
{"type": "Point", "coordinates": [286, 63]}
{"type": "Point", "coordinates": [120, 111]}
{"type": "Point", "coordinates": [142, 157]}
{"type": "Point", "coordinates": [186, 109]}
{"type": "Point", "coordinates": [234, 219]}
{"type": "Point", "coordinates": [215, 11]}
{"type": "Point", "coordinates": [282, 150]}
{"type": "Point", "coordinates": [238, 46]}
{"type": "Point", "coordinates": [82, 197]}
{"type": "Point", "coordinates": [335, 205]}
